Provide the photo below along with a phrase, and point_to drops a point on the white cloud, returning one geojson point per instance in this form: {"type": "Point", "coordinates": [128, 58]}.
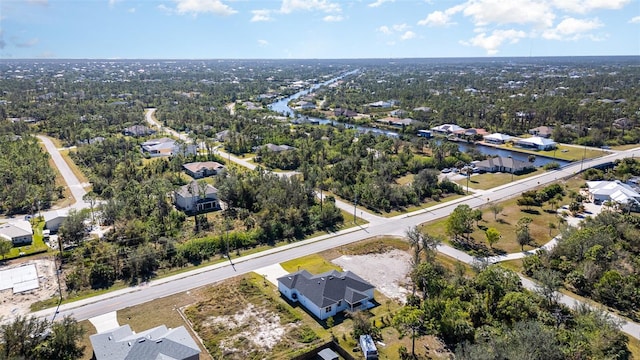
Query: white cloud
{"type": "Point", "coordinates": [635, 20]}
{"type": "Point", "coordinates": [289, 6]}
{"type": "Point", "coordinates": [408, 35]}
{"type": "Point", "coordinates": [572, 29]}
{"type": "Point", "coordinates": [132, 10]}
{"type": "Point", "coordinates": [262, 43]}
{"type": "Point", "coordinates": [582, 6]}
{"type": "Point", "coordinates": [436, 18]}
{"type": "Point", "coordinates": [333, 18]}
{"type": "Point", "coordinates": [400, 27]}
{"type": "Point", "coordinates": [484, 12]}
{"type": "Point", "coordinates": [165, 9]}
{"type": "Point", "coordinates": [492, 42]}
{"type": "Point", "coordinates": [113, 2]}
{"type": "Point", "coordinates": [384, 29]}
{"type": "Point", "coordinates": [261, 15]}
{"type": "Point", "coordinates": [379, 2]}
{"type": "Point", "coordinates": [203, 6]}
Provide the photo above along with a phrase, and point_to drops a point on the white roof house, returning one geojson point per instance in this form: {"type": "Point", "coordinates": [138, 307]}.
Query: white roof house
{"type": "Point", "coordinates": [497, 138]}
{"type": "Point", "coordinates": [19, 233]}
{"type": "Point", "coordinates": [615, 191]}
{"type": "Point", "coordinates": [447, 128]}
{"type": "Point", "coordinates": [537, 142]}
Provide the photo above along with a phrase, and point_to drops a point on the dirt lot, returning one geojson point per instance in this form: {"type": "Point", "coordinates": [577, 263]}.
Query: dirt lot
{"type": "Point", "coordinates": [18, 304]}
{"type": "Point", "coordinates": [387, 271]}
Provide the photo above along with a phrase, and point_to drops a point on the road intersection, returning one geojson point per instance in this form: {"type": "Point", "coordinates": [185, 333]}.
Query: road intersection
{"type": "Point", "coordinates": [378, 226]}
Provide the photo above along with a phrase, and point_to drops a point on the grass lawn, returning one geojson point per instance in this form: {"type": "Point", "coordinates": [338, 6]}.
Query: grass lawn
{"type": "Point", "coordinates": [36, 246]}
{"type": "Point", "coordinates": [314, 264]}
{"type": "Point", "coordinates": [625, 147]}
{"type": "Point", "coordinates": [505, 223]}
{"type": "Point", "coordinates": [563, 152]}
{"type": "Point", "coordinates": [490, 180]}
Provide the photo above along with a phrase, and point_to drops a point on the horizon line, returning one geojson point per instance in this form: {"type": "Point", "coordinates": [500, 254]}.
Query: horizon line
{"type": "Point", "coordinates": [298, 59]}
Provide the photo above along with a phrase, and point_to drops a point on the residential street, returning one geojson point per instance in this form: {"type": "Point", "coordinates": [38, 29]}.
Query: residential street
{"type": "Point", "coordinates": [377, 226]}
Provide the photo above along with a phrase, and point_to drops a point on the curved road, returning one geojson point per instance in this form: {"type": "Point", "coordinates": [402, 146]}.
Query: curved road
{"type": "Point", "coordinates": [120, 299]}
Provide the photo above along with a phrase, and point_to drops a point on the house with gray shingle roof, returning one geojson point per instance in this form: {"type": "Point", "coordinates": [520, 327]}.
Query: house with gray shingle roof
{"type": "Point", "coordinates": [19, 233]}
{"type": "Point", "coordinates": [327, 294]}
{"type": "Point", "coordinates": [156, 343]}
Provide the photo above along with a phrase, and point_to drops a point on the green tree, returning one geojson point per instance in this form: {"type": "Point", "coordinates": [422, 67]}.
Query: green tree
{"type": "Point", "coordinates": [409, 319]}
{"type": "Point", "coordinates": [493, 236]}
{"type": "Point", "coordinates": [496, 209]}
{"type": "Point", "coordinates": [523, 235]}
{"type": "Point", "coordinates": [5, 248]}
{"type": "Point", "coordinates": [64, 341]}
{"type": "Point", "coordinates": [72, 230]}
{"type": "Point", "coordinates": [460, 221]}
{"type": "Point", "coordinates": [476, 214]}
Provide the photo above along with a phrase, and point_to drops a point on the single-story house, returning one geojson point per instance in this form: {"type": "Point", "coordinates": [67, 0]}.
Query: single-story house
{"type": "Point", "coordinates": [167, 147]}
{"type": "Point", "coordinates": [19, 233]}
{"type": "Point", "coordinates": [276, 148]}
{"type": "Point", "coordinates": [328, 354]}
{"type": "Point", "coordinates": [543, 131]}
{"type": "Point", "coordinates": [497, 138]}
{"type": "Point", "coordinates": [53, 220]}
{"type": "Point", "coordinates": [222, 135]}
{"type": "Point", "coordinates": [398, 113]}
{"type": "Point", "coordinates": [623, 123]}
{"type": "Point", "coordinates": [616, 191]}
{"type": "Point", "coordinates": [199, 170]}
{"type": "Point", "coordinates": [157, 343]}
{"type": "Point", "coordinates": [536, 143]}
{"type": "Point", "coordinates": [396, 122]}
{"type": "Point", "coordinates": [327, 294]}
{"type": "Point", "coordinates": [475, 132]}
{"type": "Point", "coordinates": [305, 105]}
{"type": "Point", "coordinates": [344, 112]}
{"type": "Point", "coordinates": [138, 130]}
{"type": "Point", "coordinates": [503, 164]}
{"type": "Point", "coordinates": [194, 197]}
{"type": "Point", "coordinates": [446, 128]}
{"type": "Point", "coordinates": [251, 105]}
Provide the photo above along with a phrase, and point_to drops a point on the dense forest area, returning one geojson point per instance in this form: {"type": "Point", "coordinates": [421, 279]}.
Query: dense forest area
{"type": "Point", "coordinates": [491, 316]}
{"type": "Point", "coordinates": [28, 182]}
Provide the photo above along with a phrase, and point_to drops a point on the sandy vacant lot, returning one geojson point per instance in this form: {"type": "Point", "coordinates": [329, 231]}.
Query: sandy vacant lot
{"type": "Point", "coordinates": [13, 305]}
{"type": "Point", "coordinates": [388, 272]}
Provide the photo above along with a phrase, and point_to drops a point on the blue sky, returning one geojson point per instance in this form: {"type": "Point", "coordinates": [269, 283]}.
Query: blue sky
{"type": "Point", "coordinates": [211, 29]}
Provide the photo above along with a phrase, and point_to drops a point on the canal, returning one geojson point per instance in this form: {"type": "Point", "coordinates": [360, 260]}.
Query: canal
{"type": "Point", "coordinates": [282, 106]}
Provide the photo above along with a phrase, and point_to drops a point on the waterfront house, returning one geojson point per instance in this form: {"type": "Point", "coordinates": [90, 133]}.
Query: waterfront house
{"type": "Point", "coordinates": [536, 143]}
{"type": "Point", "coordinates": [446, 129]}
{"type": "Point", "coordinates": [327, 294]}
{"type": "Point", "coordinates": [497, 138]}
{"type": "Point", "coordinates": [425, 134]}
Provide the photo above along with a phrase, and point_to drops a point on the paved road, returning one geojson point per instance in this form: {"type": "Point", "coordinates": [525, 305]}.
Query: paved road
{"type": "Point", "coordinates": [378, 226]}
{"type": "Point", "coordinates": [77, 189]}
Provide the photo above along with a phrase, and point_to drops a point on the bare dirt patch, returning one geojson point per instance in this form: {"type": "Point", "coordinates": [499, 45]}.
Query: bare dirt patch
{"type": "Point", "coordinates": [12, 305]}
{"type": "Point", "coordinates": [388, 271]}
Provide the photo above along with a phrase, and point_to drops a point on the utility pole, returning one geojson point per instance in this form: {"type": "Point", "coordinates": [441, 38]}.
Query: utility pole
{"type": "Point", "coordinates": [355, 207]}
{"type": "Point", "coordinates": [583, 156]}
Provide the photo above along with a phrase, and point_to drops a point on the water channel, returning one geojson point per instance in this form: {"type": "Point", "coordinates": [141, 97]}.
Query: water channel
{"type": "Point", "coordinates": [281, 106]}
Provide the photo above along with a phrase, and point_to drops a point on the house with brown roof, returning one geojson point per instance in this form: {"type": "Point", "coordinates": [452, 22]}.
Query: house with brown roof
{"type": "Point", "coordinates": [542, 131]}
{"type": "Point", "coordinates": [198, 170]}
